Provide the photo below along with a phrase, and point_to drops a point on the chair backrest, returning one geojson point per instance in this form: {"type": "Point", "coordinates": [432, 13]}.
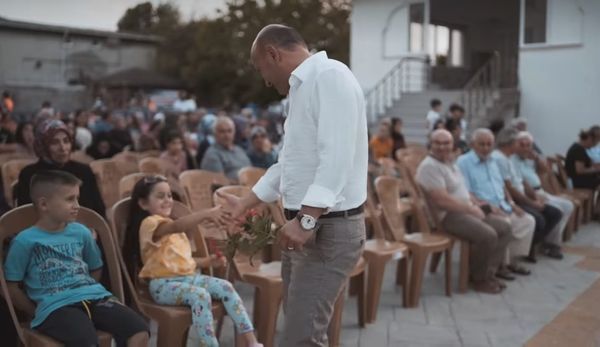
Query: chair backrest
{"type": "Point", "coordinates": [153, 153]}
{"type": "Point", "coordinates": [20, 218]}
{"type": "Point", "coordinates": [557, 168]}
{"type": "Point", "coordinates": [81, 157]}
{"type": "Point", "coordinates": [199, 185]}
{"type": "Point", "coordinates": [127, 156]}
{"type": "Point", "coordinates": [108, 175]}
{"type": "Point", "coordinates": [248, 176]}
{"type": "Point", "coordinates": [127, 183]}
{"type": "Point", "coordinates": [153, 165]}
{"type": "Point", "coordinates": [388, 192]}
{"type": "Point", "coordinates": [373, 212]}
{"type": "Point", "coordinates": [10, 174]}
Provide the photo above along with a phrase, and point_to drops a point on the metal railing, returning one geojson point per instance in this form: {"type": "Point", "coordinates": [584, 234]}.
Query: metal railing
{"type": "Point", "coordinates": [410, 74]}
{"type": "Point", "coordinates": [479, 92]}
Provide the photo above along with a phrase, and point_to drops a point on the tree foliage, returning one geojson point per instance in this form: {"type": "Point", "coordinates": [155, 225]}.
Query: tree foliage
{"type": "Point", "coordinates": [212, 56]}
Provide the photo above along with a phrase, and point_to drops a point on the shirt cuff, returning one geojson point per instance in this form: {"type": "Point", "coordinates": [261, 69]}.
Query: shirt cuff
{"type": "Point", "coordinates": [265, 193]}
{"type": "Point", "coordinates": [320, 197]}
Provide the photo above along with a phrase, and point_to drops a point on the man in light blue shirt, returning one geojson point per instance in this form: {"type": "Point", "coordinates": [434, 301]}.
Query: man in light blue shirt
{"type": "Point", "coordinates": [485, 183]}
{"type": "Point", "coordinates": [594, 151]}
{"type": "Point", "coordinates": [523, 161]}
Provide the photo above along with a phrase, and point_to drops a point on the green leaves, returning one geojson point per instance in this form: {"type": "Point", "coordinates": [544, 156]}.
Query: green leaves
{"type": "Point", "coordinates": [257, 232]}
{"type": "Point", "coordinates": [212, 56]}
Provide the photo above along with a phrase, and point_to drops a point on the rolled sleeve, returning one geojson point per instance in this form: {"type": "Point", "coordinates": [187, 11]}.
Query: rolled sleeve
{"type": "Point", "coordinates": [267, 188]}
{"type": "Point", "coordinates": [336, 102]}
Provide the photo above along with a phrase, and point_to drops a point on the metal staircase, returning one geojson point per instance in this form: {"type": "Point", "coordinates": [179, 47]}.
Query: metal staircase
{"type": "Point", "coordinates": [404, 92]}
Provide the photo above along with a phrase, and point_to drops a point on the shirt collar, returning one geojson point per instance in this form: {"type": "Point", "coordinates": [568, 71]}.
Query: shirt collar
{"type": "Point", "coordinates": [302, 72]}
{"type": "Point", "coordinates": [476, 159]}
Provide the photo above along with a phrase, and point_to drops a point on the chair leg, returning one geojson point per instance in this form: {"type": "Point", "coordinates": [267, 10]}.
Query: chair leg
{"type": "Point", "coordinates": [354, 286]}
{"type": "Point", "coordinates": [335, 324]}
{"type": "Point", "coordinates": [448, 262]}
{"type": "Point", "coordinates": [416, 276]}
{"type": "Point", "coordinates": [170, 334]}
{"type": "Point", "coordinates": [435, 260]}
{"type": "Point", "coordinates": [269, 300]}
{"type": "Point", "coordinates": [463, 282]}
{"type": "Point", "coordinates": [361, 300]}
{"type": "Point", "coordinates": [402, 279]}
{"type": "Point", "coordinates": [375, 280]}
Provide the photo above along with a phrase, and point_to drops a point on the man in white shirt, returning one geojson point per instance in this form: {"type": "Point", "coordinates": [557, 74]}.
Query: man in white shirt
{"type": "Point", "coordinates": [434, 114]}
{"type": "Point", "coordinates": [320, 176]}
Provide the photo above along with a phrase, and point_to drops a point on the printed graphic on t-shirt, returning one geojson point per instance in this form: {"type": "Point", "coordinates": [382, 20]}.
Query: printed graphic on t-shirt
{"type": "Point", "coordinates": [61, 266]}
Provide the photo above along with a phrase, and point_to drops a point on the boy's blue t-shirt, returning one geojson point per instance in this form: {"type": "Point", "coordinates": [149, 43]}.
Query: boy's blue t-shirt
{"type": "Point", "coordinates": [55, 267]}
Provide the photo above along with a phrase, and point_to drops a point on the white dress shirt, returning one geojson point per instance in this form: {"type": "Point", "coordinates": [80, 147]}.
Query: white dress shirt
{"type": "Point", "coordinates": [323, 162]}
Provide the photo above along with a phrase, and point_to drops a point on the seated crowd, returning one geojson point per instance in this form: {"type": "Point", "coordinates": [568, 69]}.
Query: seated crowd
{"type": "Point", "coordinates": [489, 192]}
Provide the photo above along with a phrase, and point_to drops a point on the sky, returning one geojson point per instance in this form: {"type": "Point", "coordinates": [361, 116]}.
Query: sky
{"type": "Point", "coordinates": [95, 14]}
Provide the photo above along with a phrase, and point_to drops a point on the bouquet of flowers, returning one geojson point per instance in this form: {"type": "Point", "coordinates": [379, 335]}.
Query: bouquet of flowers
{"type": "Point", "coordinates": [255, 232]}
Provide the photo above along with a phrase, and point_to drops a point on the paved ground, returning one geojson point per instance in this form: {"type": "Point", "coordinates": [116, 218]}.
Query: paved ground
{"type": "Point", "coordinates": [470, 319]}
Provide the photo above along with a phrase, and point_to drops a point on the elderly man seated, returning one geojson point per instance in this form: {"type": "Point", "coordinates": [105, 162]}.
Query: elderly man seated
{"type": "Point", "coordinates": [484, 181]}
{"type": "Point", "coordinates": [525, 161]}
{"type": "Point", "coordinates": [445, 187]}
{"type": "Point", "coordinates": [546, 216]}
{"type": "Point", "coordinates": [224, 156]}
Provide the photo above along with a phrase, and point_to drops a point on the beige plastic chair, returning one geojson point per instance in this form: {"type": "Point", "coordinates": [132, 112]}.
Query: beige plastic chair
{"type": "Point", "coordinates": [378, 252]}
{"type": "Point", "coordinates": [426, 216]}
{"type": "Point", "coordinates": [10, 174]}
{"type": "Point", "coordinates": [248, 176]}
{"type": "Point", "coordinates": [199, 185]}
{"type": "Point", "coordinates": [586, 196]}
{"type": "Point", "coordinates": [20, 218]}
{"type": "Point", "coordinates": [81, 157]}
{"type": "Point", "coordinates": [152, 165]}
{"type": "Point", "coordinates": [266, 277]}
{"type": "Point", "coordinates": [108, 175]}
{"type": "Point", "coordinates": [127, 183]}
{"type": "Point", "coordinates": [173, 321]}
{"type": "Point", "coordinates": [420, 244]}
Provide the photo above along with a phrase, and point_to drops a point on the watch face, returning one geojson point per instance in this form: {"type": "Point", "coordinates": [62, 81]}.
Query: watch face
{"type": "Point", "coordinates": [308, 222]}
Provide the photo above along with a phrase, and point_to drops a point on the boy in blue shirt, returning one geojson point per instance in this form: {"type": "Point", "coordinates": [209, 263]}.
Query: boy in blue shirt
{"type": "Point", "coordinates": [59, 264]}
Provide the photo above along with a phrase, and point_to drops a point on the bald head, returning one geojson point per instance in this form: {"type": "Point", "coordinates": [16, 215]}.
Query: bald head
{"type": "Point", "coordinates": [441, 134]}
{"type": "Point", "coordinates": [224, 130]}
{"type": "Point", "coordinates": [280, 36]}
{"type": "Point", "coordinates": [442, 144]}
{"type": "Point", "coordinates": [276, 52]}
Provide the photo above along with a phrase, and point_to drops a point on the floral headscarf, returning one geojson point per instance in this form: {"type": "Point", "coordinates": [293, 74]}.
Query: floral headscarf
{"type": "Point", "coordinates": [45, 130]}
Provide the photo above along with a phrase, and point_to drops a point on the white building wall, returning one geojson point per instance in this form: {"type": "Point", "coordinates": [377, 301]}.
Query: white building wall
{"type": "Point", "coordinates": [560, 80]}
{"type": "Point", "coordinates": [379, 38]}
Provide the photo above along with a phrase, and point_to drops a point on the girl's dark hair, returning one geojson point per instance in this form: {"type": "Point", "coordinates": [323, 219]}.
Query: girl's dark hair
{"type": "Point", "coordinates": [584, 135]}
{"type": "Point", "coordinates": [19, 133]}
{"type": "Point", "coordinates": [170, 136]}
{"type": "Point", "coordinates": [131, 249]}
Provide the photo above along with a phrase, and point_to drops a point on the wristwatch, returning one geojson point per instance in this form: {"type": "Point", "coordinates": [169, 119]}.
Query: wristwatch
{"type": "Point", "coordinates": [307, 222]}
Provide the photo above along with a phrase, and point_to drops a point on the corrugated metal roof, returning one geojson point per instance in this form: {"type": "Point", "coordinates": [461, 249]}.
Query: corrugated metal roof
{"type": "Point", "coordinates": [63, 30]}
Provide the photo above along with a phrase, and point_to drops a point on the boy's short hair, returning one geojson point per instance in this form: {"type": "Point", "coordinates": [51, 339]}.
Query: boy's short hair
{"type": "Point", "coordinates": [435, 103]}
{"type": "Point", "coordinates": [44, 183]}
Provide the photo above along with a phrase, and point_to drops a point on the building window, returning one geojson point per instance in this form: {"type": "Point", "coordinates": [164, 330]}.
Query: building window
{"type": "Point", "coordinates": [535, 21]}
{"type": "Point", "coordinates": [415, 29]}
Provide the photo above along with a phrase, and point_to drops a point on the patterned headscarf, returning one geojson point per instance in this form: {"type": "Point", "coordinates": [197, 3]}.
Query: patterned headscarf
{"type": "Point", "coordinates": [45, 130]}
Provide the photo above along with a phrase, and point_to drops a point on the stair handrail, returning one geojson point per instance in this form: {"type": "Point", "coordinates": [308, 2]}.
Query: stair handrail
{"type": "Point", "coordinates": [480, 88]}
{"type": "Point", "coordinates": [391, 86]}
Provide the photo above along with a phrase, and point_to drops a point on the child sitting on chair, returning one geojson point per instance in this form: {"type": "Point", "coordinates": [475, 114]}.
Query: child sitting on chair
{"type": "Point", "coordinates": [60, 264]}
{"type": "Point", "coordinates": [168, 263]}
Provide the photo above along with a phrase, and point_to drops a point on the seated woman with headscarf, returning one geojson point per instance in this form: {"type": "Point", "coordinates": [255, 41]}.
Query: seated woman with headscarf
{"type": "Point", "coordinates": [53, 144]}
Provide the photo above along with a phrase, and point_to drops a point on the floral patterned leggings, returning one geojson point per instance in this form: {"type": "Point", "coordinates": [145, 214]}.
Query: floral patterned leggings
{"type": "Point", "coordinates": [196, 291]}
